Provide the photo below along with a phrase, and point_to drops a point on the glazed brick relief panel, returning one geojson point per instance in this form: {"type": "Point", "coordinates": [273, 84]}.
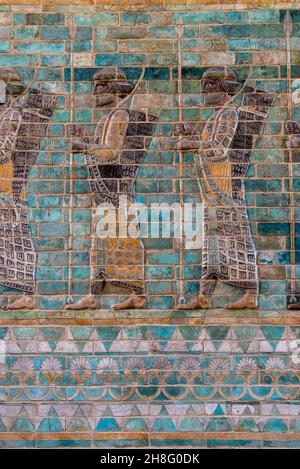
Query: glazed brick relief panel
{"type": "Point", "coordinates": [148, 338]}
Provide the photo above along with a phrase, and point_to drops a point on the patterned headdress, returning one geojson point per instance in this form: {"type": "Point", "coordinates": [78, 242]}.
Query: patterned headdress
{"type": "Point", "coordinates": [116, 79]}
{"type": "Point", "coordinates": [226, 78]}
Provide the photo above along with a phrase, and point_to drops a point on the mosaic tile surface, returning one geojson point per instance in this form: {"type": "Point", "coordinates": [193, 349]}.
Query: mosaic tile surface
{"type": "Point", "coordinates": [149, 384]}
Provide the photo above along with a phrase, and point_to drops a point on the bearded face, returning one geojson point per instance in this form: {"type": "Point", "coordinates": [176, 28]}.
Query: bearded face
{"type": "Point", "coordinates": [104, 94]}
{"type": "Point", "coordinates": [214, 95]}
{"type": "Point", "coordinates": [9, 90]}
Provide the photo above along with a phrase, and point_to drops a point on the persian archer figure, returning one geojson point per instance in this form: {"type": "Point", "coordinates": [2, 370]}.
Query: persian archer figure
{"type": "Point", "coordinates": [222, 157]}
{"type": "Point", "coordinates": [21, 129]}
{"type": "Point", "coordinates": [113, 156]}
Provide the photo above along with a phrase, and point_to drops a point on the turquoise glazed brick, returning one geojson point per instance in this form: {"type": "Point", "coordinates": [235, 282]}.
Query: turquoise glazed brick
{"type": "Point", "coordinates": [82, 46]}
{"type": "Point", "coordinates": [84, 115]}
{"type": "Point", "coordinates": [163, 31]}
{"type": "Point", "coordinates": [53, 18]}
{"type": "Point", "coordinates": [120, 60]}
{"type": "Point", "coordinates": [51, 303]}
{"type": "Point", "coordinates": [55, 60]}
{"type": "Point", "coordinates": [52, 288]}
{"type": "Point", "coordinates": [191, 59]}
{"type": "Point", "coordinates": [163, 258]}
{"type": "Point", "coordinates": [273, 229]}
{"type": "Point", "coordinates": [19, 18]}
{"type": "Point", "coordinates": [230, 31]}
{"type": "Point", "coordinates": [57, 229]}
{"type": "Point", "coordinates": [261, 44]}
{"type": "Point", "coordinates": [267, 31]}
{"type": "Point", "coordinates": [262, 185]}
{"type": "Point", "coordinates": [243, 58]}
{"type": "Point", "coordinates": [161, 302]}
{"type": "Point", "coordinates": [238, 44]}
{"type": "Point", "coordinates": [17, 60]}
{"type": "Point", "coordinates": [237, 17]}
{"type": "Point", "coordinates": [162, 287]}
{"type": "Point", "coordinates": [4, 46]}
{"type": "Point", "coordinates": [159, 272]}
{"type": "Point", "coordinates": [83, 33]}
{"type": "Point", "coordinates": [36, 47]}
{"type": "Point", "coordinates": [49, 273]}
{"type": "Point", "coordinates": [190, 31]}
{"type": "Point", "coordinates": [26, 32]}
{"type": "Point", "coordinates": [276, 425]}
{"type": "Point", "coordinates": [46, 74]}
{"type": "Point", "coordinates": [80, 272]}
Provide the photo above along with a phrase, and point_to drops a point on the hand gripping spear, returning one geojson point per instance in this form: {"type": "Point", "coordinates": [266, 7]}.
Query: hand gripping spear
{"type": "Point", "coordinates": [181, 170]}
{"type": "Point", "coordinates": [288, 28]}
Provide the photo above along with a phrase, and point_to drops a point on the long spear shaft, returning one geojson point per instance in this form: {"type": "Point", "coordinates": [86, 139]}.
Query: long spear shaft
{"type": "Point", "coordinates": [181, 168]}
{"type": "Point", "coordinates": [71, 177]}
{"type": "Point", "coordinates": [288, 28]}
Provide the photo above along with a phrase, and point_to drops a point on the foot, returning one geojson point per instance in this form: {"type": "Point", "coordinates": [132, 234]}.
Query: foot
{"type": "Point", "coordinates": [199, 302]}
{"type": "Point", "coordinates": [23, 302]}
{"type": "Point", "coordinates": [133, 302]}
{"type": "Point", "coordinates": [294, 306]}
{"type": "Point", "coordinates": [247, 301]}
{"type": "Point", "coordinates": [88, 302]}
